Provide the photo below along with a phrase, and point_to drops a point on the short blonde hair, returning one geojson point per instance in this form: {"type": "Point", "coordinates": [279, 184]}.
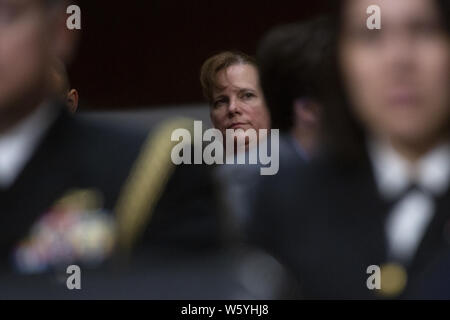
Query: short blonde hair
{"type": "Point", "coordinates": [215, 64]}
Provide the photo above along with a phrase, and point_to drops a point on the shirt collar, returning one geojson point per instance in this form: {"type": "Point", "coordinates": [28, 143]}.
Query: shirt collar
{"type": "Point", "coordinates": [18, 144]}
{"type": "Point", "coordinates": [434, 170]}
{"type": "Point", "coordinates": [394, 174]}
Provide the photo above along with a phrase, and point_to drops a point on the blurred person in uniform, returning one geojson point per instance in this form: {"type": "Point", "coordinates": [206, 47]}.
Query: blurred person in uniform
{"type": "Point", "coordinates": [85, 192]}
{"type": "Point", "coordinates": [368, 218]}
{"type": "Point", "coordinates": [49, 160]}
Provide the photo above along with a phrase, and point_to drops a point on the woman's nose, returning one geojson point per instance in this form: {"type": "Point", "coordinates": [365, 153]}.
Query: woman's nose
{"type": "Point", "coordinates": [234, 106]}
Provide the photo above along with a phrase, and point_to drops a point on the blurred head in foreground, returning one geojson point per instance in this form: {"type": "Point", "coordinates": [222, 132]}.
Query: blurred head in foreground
{"type": "Point", "coordinates": [230, 82]}
{"type": "Point", "coordinates": [394, 81]}
{"type": "Point", "coordinates": [33, 34]}
{"type": "Point", "coordinates": [292, 61]}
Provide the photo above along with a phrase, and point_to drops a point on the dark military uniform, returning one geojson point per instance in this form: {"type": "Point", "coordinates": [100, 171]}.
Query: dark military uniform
{"type": "Point", "coordinates": [327, 224]}
{"type": "Point", "coordinates": [85, 158]}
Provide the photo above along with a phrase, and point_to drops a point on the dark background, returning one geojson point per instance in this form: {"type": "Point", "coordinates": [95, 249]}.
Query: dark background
{"type": "Point", "coordinates": [136, 54]}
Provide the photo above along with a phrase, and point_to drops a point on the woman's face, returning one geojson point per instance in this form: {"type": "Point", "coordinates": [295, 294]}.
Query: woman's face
{"type": "Point", "coordinates": [239, 103]}
{"type": "Point", "coordinates": [397, 78]}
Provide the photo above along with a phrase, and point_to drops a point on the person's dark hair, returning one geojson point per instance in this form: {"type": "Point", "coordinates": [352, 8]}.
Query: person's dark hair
{"type": "Point", "coordinates": [221, 61]}
{"type": "Point", "coordinates": [292, 60]}
{"type": "Point", "coordinates": [344, 135]}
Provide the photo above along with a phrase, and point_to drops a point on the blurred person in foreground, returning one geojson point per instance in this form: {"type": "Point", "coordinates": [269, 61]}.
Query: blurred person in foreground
{"type": "Point", "coordinates": [292, 60]}
{"type": "Point", "coordinates": [369, 217]}
{"type": "Point", "coordinates": [84, 192]}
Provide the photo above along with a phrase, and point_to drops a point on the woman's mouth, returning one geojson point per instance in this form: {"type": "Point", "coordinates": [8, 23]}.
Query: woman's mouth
{"type": "Point", "coordinates": [237, 125]}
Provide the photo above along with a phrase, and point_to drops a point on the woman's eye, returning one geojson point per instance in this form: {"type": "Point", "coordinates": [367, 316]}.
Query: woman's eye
{"type": "Point", "coordinates": [248, 95]}
{"type": "Point", "coordinates": [219, 103]}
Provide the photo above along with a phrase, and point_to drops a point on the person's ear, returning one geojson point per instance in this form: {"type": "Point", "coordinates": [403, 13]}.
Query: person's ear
{"type": "Point", "coordinates": [72, 100]}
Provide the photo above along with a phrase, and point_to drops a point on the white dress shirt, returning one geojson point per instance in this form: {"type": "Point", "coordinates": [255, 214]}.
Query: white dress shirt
{"type": "Point", "coordinates": [18, 144]}
{"type": "Point", "coordinates": [409, 219]}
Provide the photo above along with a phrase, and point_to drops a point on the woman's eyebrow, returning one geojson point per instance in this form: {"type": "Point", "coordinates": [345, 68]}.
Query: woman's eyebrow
{"type": "Point", "coordinates": [221, 96]}
{"type": "Point", "coordinates": [246, 89]}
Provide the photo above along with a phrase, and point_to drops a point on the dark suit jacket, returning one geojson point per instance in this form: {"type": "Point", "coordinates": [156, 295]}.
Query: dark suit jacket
{"type": "Point", "coordinates": [73, 154]}
{"type": "Point", "coordinates": [78, 153]}
{"type": "Point", "coordinates": [326, 221]}
{"type": "Point", "coordinates": [243, 182]}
